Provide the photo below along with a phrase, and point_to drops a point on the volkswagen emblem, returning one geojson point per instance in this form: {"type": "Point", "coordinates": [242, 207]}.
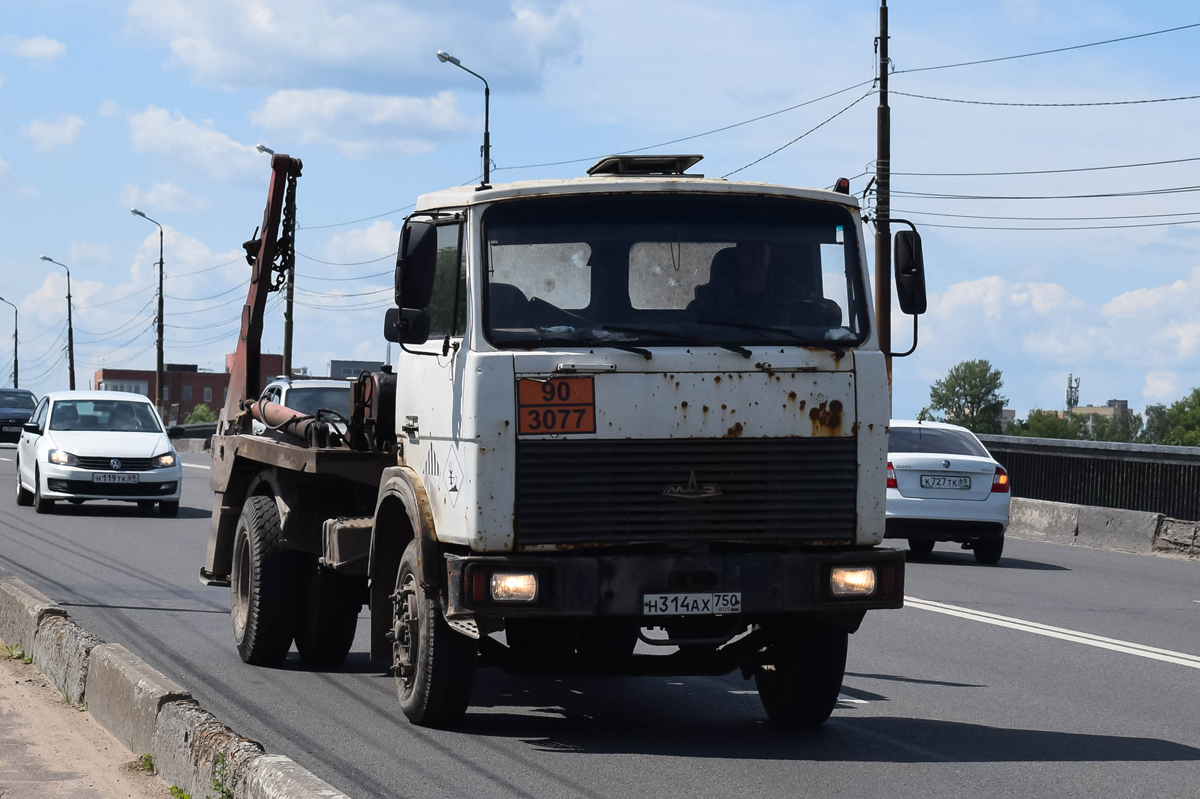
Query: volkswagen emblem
{"type": "Point", "coordinates": [944, 463]}
{"type": "Point", "coordinates": [116, 463]}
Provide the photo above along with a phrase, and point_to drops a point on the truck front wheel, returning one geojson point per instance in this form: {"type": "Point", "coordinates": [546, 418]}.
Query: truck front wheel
{"type": "Point", "coordinates": [263, 585]}
{"type": "Point", "coordinates": [801, 676]}
{"type": "Point", "coordinates": [435, 666]}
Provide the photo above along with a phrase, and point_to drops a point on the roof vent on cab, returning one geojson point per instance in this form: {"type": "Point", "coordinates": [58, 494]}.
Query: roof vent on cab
{"type": "Point", "coordinates": [676, 165]}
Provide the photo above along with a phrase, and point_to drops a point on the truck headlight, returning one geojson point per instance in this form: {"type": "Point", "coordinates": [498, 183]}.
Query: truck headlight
{"type": "Point", "coordinates": [852, 580]}
{"type": "Point", "coordinates": [62, 458]}
{"type": "Point", "coordinates": [164, 460]}
{"type": "Point", "coordinates": [514, 587]}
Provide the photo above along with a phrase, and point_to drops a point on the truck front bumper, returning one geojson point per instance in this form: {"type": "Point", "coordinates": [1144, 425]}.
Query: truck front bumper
{"type": "Point", "coordinates": [582, 585]}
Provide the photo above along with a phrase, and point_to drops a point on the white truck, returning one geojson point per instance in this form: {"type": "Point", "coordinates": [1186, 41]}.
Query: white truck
{"type": "Point", "coordinates": [639, 426]}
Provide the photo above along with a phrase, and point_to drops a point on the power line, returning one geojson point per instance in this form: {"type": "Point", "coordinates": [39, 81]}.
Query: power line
{"type": "Point", "coordinates": [334, 294]}
{"type": "Point", "coordinates": [1093, 227]}
{"type": "Point", "coordinates": [1047, 105]}
{"type": "Point", "coordinates": [118, 328]}
{"type": "Point", "coordinates": [364, 219]}
{"type": "Point", "coordinates": [241, 285]}
{"type": "Point", "coordinates": [1142, 193]}
{"type": "Point", "coordinates": [347, 263]}
{"type": "Point", "coordinates": [91, 305]}
{"type": "Point", "coordinates": [206, 269]}
{"type": "Point", "coordinates": [364, 277]}
{"type": "Point", "coordinates": [801, 136]}
{"type": "Point", "coordinates": [1046, 52]}
{"type": "Point", "coordinates": [1046, 218]}
{"type": "Point", "coordinates": [1045, 171]}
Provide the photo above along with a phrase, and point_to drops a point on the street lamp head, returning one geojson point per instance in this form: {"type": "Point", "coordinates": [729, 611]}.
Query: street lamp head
{"type": "Point", "coordinates": [262, 148]}
{"type": "Point", "coordinates": [46, 258]}
{"type": "Point", "coordinates": [445, 57]}
{"type": "Point", "coordinates": [136, 212]}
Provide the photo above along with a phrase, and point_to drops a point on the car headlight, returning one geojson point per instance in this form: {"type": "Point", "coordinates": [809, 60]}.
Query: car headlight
{"type": "Point", "coordinates": [164, 460]}
{"type": "Point", "coordinates": [62, 458]}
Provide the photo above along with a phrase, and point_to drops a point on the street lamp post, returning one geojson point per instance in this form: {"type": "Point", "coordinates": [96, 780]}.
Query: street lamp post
{"type": "Point", "coordinates": [158, 366]}
{"type": "Point", "coordinates": [16, 364]}
{"type": "Point", "coordinates": [70, 326]}
{"type": "Point", "coordinates": [446, 58]}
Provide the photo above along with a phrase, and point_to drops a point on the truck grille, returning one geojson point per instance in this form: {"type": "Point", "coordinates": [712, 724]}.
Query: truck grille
{"type": "Point", "coordinates": [575, 491]}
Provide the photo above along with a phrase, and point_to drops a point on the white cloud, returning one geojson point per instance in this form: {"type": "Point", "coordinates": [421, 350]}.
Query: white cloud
{"type": "Point", "coordinates": [363, 244]}
{"type": "Point", "coordinates": [161, 197]}
{"type": "Point", "coordinates": [30, 191]}
{"type": "Point", "coordinates": [362, 126]}
{"type": "Point", "coordinates": [39, 48]}
{"type": "Point", "coordinates": [48, 135]}
{"type": "Point", "coordinates": [1160, 386]}
{"type": "Point", "coordinates": [319, 42]}
{"type": "Point", "coordinates": [107, 109]}
{"type": "Point", "coordinates": [5, 175]}
{"type": "Point", "coordinates": [155, 130]}
{"type": "Point", "coordinates": [86, 251]}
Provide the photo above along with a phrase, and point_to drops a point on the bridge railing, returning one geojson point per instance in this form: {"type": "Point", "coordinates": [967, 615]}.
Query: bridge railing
{"type": "Point", "coordinates": [1144, 477]}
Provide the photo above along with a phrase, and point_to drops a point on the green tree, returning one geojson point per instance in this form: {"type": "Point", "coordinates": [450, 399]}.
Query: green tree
{"type": "Point", "coordinates": [201, 413]}
{"type": "Point", "coordinates": [1183, 420]}
{"type": "Point", "coordinates": [970, 396]}
{"type": "Point", "coordinates": [1126, 428]}
{"type": "Point", "coordinates": [1157, 426]}
{"type": "Point", "coordinates": [1048, 424]}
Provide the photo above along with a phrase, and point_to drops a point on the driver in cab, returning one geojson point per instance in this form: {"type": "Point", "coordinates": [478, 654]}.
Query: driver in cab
{"type": "Point", "coordinates": [744, 288]}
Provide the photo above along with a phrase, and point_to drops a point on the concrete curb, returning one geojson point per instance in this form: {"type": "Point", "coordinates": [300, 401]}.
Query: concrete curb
{"type": "Point", "coordinates": [279, 777]}
{"type": "Point", "coordinates": [1113, 529]}
{"type": "Point", "coordinates": [22, 609]}
{"type": "Point", "coordinates": [192, 750]}
{"type": "Point", "coordinates": [125, 694]}
{"type": "Point", "coordinates": [146, 710]}
{"type": "Point", "coordinates": [62, 650]}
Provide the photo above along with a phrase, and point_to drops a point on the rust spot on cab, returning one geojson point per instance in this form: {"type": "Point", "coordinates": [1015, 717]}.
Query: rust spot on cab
{"type": "Point", "coordinates": [717, 380]}
{"type": "Point", "coordinates": [803, 403]}
{"type": "Point", "coordinates": [704, 408]}
{"type": "Point", "coordinates": [735, 431]}
{"type": "Point", "coordinates": [684, 405]}
{"type": "Point", "coordinates": [791, 396]}
{"type": "Point", "coordinates": [506, 423]}
{"type": "Point", "coordinates": [724, 406]}
{"type": "Point", "coordinates": [826, 419]}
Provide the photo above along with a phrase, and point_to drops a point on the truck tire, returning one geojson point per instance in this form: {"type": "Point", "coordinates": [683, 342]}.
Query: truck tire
{"type": "Point", "coordinates": [435, 666]}
{"type": "Point", "coordinates": [803, 687]}
{"type": "Point", "coordinates": [330, 617]}
{"type": "Point", "coordinates": [24, 495]}
{"type": "Point", "coordinates": [263, 585]}
{"type": "Point", "coordinates": [920, 547]}
{"type": "Point", "coordinates": [40, 505]}
{"type": "Point", "coordinates": [988, 550]}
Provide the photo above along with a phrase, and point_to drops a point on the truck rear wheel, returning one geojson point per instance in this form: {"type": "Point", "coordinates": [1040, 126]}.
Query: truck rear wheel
{"type": "Point", "coordinates": [263, 584]}
{"type": "Point", "coordinates": [326, 629]}
{"type": "Point", "coordinates": [435, 666]}
{"type": "Point", "coordinates": [802, 676]}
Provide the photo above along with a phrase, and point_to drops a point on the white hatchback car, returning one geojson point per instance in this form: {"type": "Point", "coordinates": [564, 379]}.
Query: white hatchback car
{"type": "Point", "coordinates": [942, 485]}
{"type": "Point", "coordinates": [88, 445]}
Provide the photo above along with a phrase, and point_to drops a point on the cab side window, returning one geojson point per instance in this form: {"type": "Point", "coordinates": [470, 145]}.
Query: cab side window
{"type": "Point", "coordinates": [448, 307]}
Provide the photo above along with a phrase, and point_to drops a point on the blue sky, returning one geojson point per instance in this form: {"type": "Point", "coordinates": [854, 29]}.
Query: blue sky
{"type": "Point", "coordinates": [158, 103]}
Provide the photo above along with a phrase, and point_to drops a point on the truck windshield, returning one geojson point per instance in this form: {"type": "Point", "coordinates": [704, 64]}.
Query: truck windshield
{"type": "Point", "coordinates": [669, 268]}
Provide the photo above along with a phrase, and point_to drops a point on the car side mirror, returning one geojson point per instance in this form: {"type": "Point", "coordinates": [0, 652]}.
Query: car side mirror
{"type": "Point", "coordinates": [32, 427]}
{"type": "Point", "coordinates": [175, 431]}
{"type": "Point", "coordinates": [415, 265]}
{"type": "Point", "coordinates": [910, 272]}
{"type": "Point", "coordinates": [407, 326]}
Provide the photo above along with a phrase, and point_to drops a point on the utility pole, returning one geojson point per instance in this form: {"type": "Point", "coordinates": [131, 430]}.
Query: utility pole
{"type": "Point", "coordinates": [70, 326]}
{"type": "Point", "coordinates": [16, 364]}
{"type": "Point", "coordinates": [883, 202]}
{"type": "Point", "coordinates": [158, 368]}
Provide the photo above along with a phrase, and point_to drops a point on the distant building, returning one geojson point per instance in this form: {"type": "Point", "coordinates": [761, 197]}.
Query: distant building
{"type": "Point", "coordinates": [183, 383]}
{"type": "Point", "coordinates": [1113, 409]}
{"type": "Point", "coordinates": [1008, 417]}
{"type": "Point", "coordinates": [339, 370]}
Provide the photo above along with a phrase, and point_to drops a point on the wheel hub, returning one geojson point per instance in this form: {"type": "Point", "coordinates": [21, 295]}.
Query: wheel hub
{"type": "Point", "coordinates": [405, 630]}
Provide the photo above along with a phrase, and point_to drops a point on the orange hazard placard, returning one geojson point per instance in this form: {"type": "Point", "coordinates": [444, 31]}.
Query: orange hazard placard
{"type": "Point", "coordinates": [557, 406]}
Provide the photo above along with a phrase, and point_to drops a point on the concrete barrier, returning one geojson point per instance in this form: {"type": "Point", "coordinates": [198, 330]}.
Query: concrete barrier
{"type": "Point", "coordinates": [1176, 537]}
{"type": "Point", "coordinates": [1039, 520]}
{"type": "Point", "coordinates": [193, 750]}
{"type": "Point", "coordinates": [124, 694]}
{"type": "Point", "coordinates": [61, 651]}
{"type": "Point", "coordinates": [279, 777]}
{"type": "Point", "coordinates": [1120, 530]}
{"type": "Point", "coordinates": [22, 609]}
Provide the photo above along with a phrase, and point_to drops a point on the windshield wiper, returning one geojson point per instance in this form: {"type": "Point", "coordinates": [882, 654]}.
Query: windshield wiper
{"type": "Point", "coordinates": [647, 331]}
{"type": "Point", "coordinates": [808, 342]}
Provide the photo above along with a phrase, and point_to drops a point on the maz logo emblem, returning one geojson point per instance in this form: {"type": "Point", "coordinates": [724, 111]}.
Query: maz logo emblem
{"type": "Point", "coordinates": [692, 490]}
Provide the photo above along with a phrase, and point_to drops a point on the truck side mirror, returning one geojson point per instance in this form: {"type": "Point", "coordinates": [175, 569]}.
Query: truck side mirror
{"type": "Point", "coordinates": [407, 326]}
{"type": "Point", "coordinates": [415, 265]}
{"type": "Point", "coordinates": [910, 272]}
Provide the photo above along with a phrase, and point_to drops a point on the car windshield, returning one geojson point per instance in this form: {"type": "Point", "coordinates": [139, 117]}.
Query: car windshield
{"type": "Point", "coordinates": [934, 441]}
{"type": "Point", "coordinates": [114, 415]}
{"type": "Point", "coordinates": [21, 400]}
{"type": "Point", "coordinates": [310, 400]}
{"type": "Point", "coordinates": [672, 269]}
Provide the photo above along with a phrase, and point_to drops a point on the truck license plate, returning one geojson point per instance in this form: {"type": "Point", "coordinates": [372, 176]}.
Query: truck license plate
{"type": "Point", "coordinates": [114, 478]}
{"type": "Point", "coordinates": [941, 481]}
{"type": "Point", "coordinates": [691, 604]}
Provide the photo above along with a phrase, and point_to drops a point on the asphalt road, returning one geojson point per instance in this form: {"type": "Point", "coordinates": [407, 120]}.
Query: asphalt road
{"type": "Point", "coordinates": [940, 700]}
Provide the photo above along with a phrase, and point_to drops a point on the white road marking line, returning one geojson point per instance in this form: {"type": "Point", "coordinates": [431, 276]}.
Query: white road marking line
{"type": "Point", "coordinates": [196, 465]}
{"type": "Point", "coordinates": [841, 697]}
{"type": "Point", "coordinates": [1128, 647]}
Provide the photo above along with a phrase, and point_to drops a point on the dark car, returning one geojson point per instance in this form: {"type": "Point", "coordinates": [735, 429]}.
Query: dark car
{"type": "Point", "coordinates": [16, 406]}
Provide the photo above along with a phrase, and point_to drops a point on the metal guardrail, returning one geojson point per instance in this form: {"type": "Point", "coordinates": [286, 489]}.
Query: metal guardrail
{"type": "Point", "coordinates": [1143, 477]}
